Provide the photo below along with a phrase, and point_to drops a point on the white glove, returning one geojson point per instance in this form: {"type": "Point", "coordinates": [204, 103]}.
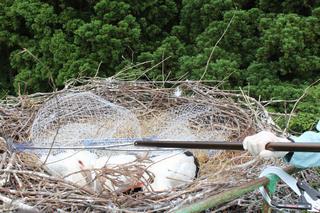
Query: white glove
{"type": "Point", "coordinates": [256, 144]}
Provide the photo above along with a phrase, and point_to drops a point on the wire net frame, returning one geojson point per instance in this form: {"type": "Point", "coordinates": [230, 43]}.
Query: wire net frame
{"type": "Point", "coordinates": [70, 119]}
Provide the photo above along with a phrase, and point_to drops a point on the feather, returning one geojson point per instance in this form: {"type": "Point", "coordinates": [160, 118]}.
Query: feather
{"type": "Point", "coordinates": [172, 170]}
{"type": "Point", "coordinates": [71, 165]}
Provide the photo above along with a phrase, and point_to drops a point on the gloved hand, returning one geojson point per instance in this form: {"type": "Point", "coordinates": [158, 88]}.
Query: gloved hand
{"type": "Point", "coordinates": [255, 144]}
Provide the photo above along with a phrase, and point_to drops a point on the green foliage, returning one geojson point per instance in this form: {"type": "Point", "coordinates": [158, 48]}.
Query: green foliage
{"type": "Point", "coordinates": [170, 48]}
{"type": "Point", "coordinates": [270, 48]}
{"type": "Point", "coordinates": [64, 41]}
{"type": "Point", "coordinates": [301, 7]}
{"type": "Point", "coordinates": [308, 111]}
{"type": "Point", "coordinates": [290, 45]}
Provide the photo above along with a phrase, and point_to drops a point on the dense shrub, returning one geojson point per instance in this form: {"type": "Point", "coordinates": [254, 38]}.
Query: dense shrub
{"type": "Point", "coordinates": [271, 47]}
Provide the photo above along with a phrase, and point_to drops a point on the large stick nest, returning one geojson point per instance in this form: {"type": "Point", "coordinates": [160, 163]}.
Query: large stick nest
{"type": "Point", "coordinates": [25, 184]}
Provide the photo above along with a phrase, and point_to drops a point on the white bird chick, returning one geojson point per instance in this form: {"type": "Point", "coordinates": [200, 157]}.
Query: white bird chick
{"type": "Point", "coordinates": [112, 162]}
{"type": "Point", "coordinates": [72, 166]}
{"type": "Point", "coordinates": [172, 170]}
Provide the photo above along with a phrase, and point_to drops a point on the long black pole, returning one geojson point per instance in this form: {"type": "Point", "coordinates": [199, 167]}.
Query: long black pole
{"type": "Point", "coordinates": [223, 145]}
{"type": "Point", "coordinates": [272, 146]}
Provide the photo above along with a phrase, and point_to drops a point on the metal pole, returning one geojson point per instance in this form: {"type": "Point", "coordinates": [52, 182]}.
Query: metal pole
{"type": "Point", "coordinates": [272, 146]}
{"type": "Point", "coordinates": [190, 144]}
{"type": "Point", "coordinates": [114, 144]}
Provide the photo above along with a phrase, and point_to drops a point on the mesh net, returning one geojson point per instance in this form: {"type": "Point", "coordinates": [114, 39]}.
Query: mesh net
{"type": "Point", "coordinates": [191, 122]}
{"type": "Point", "coordinates": [71, 119]}
{"type": "Point", "coordinates": [75, 119]}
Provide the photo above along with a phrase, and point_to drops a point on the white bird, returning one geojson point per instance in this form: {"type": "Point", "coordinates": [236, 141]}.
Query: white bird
{"type": "Point", "coordinates": [114, 160]}
{"type": "Point", "coordinates": [168, 170]}
{"type": "Point", "coordinates": [73, 166]}
{"type": "Point", "coordinates": [172, 170]}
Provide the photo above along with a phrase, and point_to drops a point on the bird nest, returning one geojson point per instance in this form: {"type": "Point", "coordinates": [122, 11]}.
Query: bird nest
{"type": "Point", "coordinates": [162, 109]}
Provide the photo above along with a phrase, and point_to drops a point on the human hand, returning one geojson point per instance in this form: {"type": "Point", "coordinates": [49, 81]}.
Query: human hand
{"type": "Point", "coordinates": [255, 144]}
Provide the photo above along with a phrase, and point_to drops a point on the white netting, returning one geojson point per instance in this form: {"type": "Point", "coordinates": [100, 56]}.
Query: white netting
{"type": "Point", "coordinates": [192, 121]}
{"type": "Point", "coordinates": [71, 119]}
{"type": "Point", "coordinates": [76, 118]}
